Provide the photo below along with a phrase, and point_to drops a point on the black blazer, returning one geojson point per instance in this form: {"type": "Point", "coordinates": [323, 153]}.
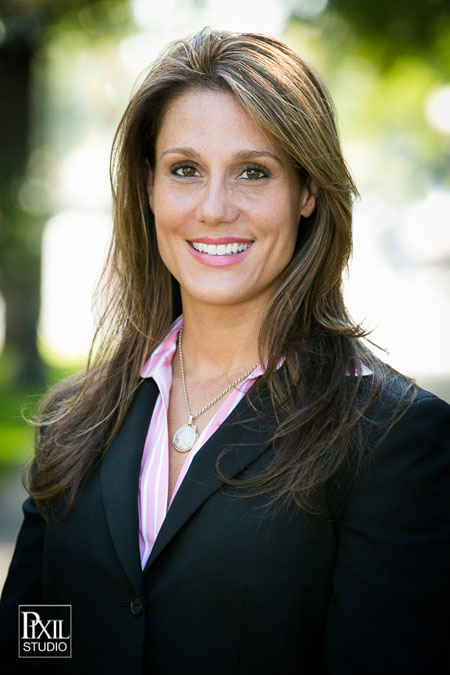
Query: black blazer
{"type": "Point", "coordinates": [234, 586]}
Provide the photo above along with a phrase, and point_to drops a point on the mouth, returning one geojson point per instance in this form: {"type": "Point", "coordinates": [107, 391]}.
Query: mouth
{"type": "Point", "coordinates": [232, 248]}
{"type": "Point", "coordinates": [220, 252]}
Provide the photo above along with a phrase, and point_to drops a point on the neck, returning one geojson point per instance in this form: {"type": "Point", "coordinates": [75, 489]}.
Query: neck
{"type": "Point", "coordinates": [220, 340]}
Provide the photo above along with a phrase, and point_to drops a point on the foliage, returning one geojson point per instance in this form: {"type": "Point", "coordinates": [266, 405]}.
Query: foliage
{"type": "Point", "coordinates": [382, 60]}
{"type": "Point", "coordinates": [16, 435]}
{"type": "Point", "coordinates": [95, 16]}
{"type": "Point", "coordinates": [397, 29]}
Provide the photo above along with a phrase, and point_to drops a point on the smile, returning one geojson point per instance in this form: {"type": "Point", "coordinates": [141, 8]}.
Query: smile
{"type": "Point", "coordinates": [220, 249]}
{"type": "Point", "coordinates": [225, 251]}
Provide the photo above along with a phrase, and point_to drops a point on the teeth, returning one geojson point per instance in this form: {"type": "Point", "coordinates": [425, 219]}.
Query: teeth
{"type": "Point", "coordinates": [220, 249]}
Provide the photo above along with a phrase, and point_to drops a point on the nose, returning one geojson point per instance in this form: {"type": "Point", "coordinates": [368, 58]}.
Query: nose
{"type": "Point", "coordinates": [216, 204]}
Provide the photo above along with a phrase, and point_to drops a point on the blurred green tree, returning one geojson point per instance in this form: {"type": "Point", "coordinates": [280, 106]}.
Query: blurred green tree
{"type": "Point", "coordinates": [383, 61]}
{"type": "Point", "coordinates": [25, 27]}
{"type": "Point", "coordinates": [396, 29]}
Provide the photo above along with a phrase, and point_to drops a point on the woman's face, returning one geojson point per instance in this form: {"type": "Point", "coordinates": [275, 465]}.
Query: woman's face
{"type": "Point", "coordinates": [227, 205]}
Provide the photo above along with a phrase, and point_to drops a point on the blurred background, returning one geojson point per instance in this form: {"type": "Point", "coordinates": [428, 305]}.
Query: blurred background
{"type": "Point", "coordinates": [66, 72]}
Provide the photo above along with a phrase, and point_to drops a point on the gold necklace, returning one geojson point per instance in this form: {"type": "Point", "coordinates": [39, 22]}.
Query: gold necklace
{"type": "Point", "coordinates": [185, 437]}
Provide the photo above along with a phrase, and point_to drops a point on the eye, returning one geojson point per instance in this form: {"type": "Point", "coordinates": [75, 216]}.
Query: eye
{"type": "Point", "coordinates": [185, 171]}
{"type": "Point", "coordinates": [254, 173]}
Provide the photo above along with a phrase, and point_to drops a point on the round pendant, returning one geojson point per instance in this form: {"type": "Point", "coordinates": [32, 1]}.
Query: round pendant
{"type": "Point", "coordinates": [184, 438]}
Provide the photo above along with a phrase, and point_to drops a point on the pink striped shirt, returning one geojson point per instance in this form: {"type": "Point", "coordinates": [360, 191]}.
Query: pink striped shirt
{"type": "Point", "coordinates": [154, 475]}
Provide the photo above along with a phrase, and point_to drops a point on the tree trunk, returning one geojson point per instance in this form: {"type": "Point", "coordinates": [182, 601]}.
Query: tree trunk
{"type": "Point", "coordinates": [19, 232]}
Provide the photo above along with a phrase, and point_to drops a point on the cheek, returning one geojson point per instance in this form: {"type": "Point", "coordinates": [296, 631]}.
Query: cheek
{"type": "Point", "coordinates": [282, 226]}
{"type": "Point", "coordinates": [170, 244]}
{"type": "Point", "coordinates": [285, 241]}
{"type": "Point", "coordinates": [164, 245]}
{"type": "Point", "coordinates": [170, 210]}
{"type": "Point", "coordinates": [163, 238]}
{"type": "Point", "coordinates": [165, 218]}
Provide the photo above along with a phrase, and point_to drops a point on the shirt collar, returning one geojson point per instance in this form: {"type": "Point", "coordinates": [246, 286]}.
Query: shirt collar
{"type": "Point", "coordinates": [163, 354]}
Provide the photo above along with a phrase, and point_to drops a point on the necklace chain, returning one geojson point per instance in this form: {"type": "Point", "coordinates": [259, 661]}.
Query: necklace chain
{"type": "Point", "coordinates": [193, 416]}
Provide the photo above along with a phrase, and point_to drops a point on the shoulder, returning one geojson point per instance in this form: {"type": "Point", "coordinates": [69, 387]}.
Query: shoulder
{"type": "Point", "coordinates": [419, 420]}
{"type": "Point", "coordinates": [402, 436]}
{"type": "Point", "coordinates": [428, 417]}
{"type": "Point", "coordinates": [406, 474]}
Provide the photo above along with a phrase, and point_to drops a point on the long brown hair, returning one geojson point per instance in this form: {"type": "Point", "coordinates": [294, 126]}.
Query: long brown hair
{"type": "Point", "coordinates": [318, 405]}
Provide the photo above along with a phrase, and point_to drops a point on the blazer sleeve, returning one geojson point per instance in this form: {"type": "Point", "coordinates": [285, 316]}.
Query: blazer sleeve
{"type": "Point", "coordinates": [389, 612]}
{"type": "Point", "coordinates": [22, 586]}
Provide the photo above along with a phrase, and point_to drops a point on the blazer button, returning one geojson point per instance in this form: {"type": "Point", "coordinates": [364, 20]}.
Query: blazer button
{"type": "Point", "coordinates": [136, 606]}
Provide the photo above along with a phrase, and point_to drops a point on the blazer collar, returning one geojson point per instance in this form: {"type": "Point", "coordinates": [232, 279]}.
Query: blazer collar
{"type": "Point", "coordinates": [244, 432]}
{"type": "Point", "coordinates": [244, 435]}
{"type": "Point", "coordinates": [119, 472]}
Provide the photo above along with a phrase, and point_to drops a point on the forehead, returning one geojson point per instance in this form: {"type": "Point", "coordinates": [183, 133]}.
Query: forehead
{"type": "Point", "coordinates": [209, 118]}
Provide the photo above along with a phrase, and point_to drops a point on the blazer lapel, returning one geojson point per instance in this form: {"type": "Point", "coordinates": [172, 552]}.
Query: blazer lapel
{"type": "Point", "coordinates": [245, 433]}
{"type": "Point", "coordinates": [119, 471]}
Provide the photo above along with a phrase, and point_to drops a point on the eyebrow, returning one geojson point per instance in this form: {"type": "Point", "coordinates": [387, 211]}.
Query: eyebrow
{"type": "Point", "coordinates": [242, 154]}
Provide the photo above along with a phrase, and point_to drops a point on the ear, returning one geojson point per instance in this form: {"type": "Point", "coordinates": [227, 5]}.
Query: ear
{"type": "Point", "coordinates": [308, 198]}
{"type": "Point", "coordinates": [150, 185]}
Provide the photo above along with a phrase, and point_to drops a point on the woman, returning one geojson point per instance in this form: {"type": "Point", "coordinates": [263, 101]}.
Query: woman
{"type": "Point", "coordinates": [236, 485]}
